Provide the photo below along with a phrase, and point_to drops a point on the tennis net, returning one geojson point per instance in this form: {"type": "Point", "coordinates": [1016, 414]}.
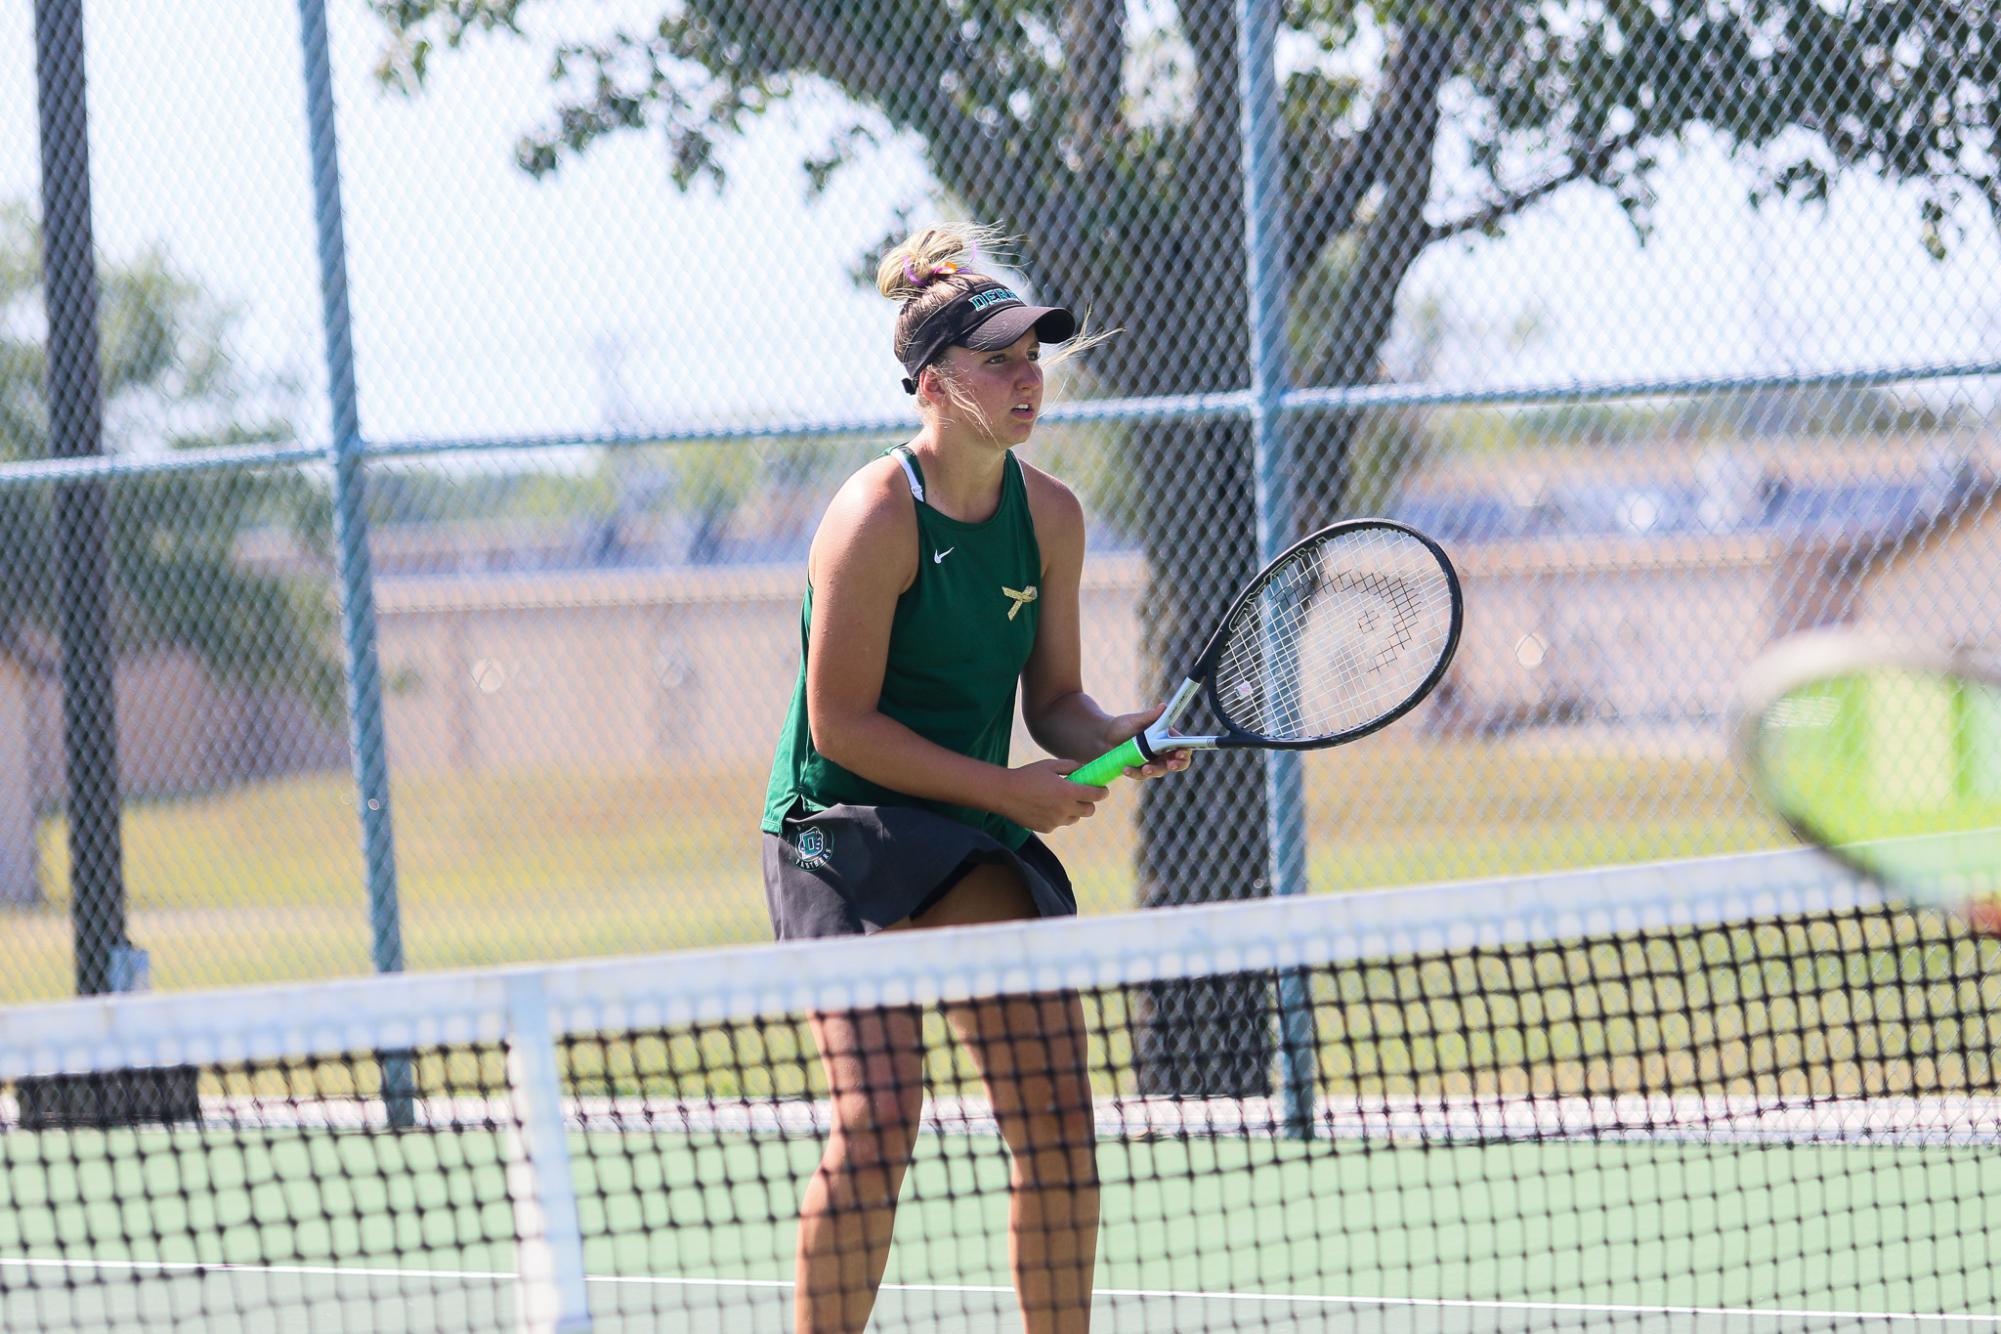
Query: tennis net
{"type": "Point", "coordinates": [1736, 1093]}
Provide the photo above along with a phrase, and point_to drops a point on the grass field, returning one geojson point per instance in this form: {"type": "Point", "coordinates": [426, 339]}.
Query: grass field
{"type": "Point", "coordinates": [265, 883]}
{"type": "Point", "coordinates": [697, 1233]}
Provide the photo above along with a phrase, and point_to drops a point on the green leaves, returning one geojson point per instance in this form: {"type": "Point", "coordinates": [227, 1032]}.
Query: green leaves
{"type": "Point", "coordinates": [170, 382]}
{"type": "Point", "coordinates": [1804, 93]}
{"type": "Point", "coordinates": [418, 28]}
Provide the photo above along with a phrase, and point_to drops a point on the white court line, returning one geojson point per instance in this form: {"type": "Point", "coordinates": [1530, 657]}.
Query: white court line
{"type": "Point", "coordinates": [1144, 1294]}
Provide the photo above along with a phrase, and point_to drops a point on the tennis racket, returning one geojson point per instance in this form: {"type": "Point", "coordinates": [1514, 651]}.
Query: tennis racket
{"type": "Point", "coordinates": [1885, 753]}
{"type": "Point", "coordinates": [1342, 634]}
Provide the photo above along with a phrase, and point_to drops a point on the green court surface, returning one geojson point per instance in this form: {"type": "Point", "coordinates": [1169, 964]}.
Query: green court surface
{"type": "Point", "coordinates": [347, 1231]}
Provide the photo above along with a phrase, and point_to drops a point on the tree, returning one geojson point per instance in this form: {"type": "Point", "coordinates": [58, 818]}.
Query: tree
{"type": "Point", "coordinates": [1111, 142]}
{"type": "Point", "coordinates": [170, 380]}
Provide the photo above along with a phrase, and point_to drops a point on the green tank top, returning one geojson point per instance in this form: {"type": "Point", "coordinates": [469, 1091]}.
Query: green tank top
{"type": "Point", "coordinates": [963, 631]}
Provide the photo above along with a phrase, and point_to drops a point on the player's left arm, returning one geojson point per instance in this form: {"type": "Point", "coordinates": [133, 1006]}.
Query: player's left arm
{"type": "Point", "coordinates": [1063, 719]}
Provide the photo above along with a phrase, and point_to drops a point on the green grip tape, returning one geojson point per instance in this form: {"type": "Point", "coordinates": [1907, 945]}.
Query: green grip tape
{"type": "Point", "coordinates": [1110, 765]}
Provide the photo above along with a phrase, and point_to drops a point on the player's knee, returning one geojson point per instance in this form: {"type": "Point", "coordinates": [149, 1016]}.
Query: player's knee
{"type": "Point", "coordinates": [882, 1122]}
{"type": "Point", "coordinates": [1069, 1105]}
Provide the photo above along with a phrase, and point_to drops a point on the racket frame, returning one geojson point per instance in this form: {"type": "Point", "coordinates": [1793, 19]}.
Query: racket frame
{"type": "Point", "coordinates": [1160, 737]}
{"type": "Point", "coordinates": [1822, 655]}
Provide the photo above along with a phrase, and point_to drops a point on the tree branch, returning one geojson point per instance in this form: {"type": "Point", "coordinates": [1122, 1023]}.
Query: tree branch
{"type": "Point", "coordinates": [1211, 30]}
{"type": "Point", "coordinates": [1330, 209]}
{"type": "Point", "coordinates": [1094, 45]}
{"type": "Point", "coordinates": [1419, 61]}
{"type": "Point", "coordinates": [1410, 115]}
{"type": "Point", "coordinates": [792, 35]}
{"type": "Point", "coordinates": [1582, 165]}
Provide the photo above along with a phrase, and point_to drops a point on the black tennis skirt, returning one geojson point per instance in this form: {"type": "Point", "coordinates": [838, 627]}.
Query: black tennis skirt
{"type": "Point", "coordinates": [853, 870]}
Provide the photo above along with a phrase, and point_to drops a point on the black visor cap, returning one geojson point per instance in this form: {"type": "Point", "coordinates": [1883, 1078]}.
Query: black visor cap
{"type": "Point", "coordinates": [986, 318]}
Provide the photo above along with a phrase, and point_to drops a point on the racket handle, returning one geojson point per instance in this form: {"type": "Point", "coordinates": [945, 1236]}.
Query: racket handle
{"type": "Point", "coordinates": [1110, 765]}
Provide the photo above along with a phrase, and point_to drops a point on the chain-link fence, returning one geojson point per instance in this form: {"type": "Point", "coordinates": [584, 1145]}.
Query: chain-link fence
{"type": "Point", "coordinates": [1674, 322]}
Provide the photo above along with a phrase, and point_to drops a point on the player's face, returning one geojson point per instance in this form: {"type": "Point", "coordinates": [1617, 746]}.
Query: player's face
{"type": "Point", "coordinates": [1005, 385]}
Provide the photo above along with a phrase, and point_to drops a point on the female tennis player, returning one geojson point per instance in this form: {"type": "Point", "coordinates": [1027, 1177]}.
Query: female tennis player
{"type": "Point", "coordinates": [943, 574]}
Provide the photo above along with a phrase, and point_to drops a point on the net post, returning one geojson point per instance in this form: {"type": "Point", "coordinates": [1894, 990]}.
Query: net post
{"type": "Point", "coordinates": [552, 1298]}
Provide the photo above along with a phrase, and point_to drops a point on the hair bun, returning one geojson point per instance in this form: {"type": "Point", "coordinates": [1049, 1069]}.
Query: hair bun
{"type": "Point", "coordinates": [932, 272]}
{"type": "Point", "coordinates": [930, 254]}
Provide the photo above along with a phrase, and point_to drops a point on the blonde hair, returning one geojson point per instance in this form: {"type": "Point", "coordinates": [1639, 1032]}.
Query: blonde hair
{"type": "Point", "coordinates": [934, 265]}
{"type": "Point", "coordinates": [913, 271]}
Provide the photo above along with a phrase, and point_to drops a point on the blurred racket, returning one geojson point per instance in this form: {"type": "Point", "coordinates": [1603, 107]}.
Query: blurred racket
{"type": "Point", "coordinates": [1885, 753]}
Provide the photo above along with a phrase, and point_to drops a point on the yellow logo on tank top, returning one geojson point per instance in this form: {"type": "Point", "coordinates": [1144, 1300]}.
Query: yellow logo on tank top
{"type": "Point", "coordinates": [1022, 597]}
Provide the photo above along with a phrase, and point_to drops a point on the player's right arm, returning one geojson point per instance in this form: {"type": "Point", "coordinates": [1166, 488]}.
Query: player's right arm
{"type": "Point", "coordinates": [864, 557]}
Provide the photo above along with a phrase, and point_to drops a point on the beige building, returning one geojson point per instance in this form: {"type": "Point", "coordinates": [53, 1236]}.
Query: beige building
{"type": "Point", "coordinates": [610, 669]}
{"type": "Point", "coordinates": [632, 667]}
{"type": "Point", "coordinates": [588, 668]}
{"type": "Point", "coordinates": [1943, 586]}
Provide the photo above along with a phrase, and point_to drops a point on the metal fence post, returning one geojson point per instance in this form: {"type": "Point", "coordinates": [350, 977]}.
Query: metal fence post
{"type": "Point", "coordinates": [350, 516]}
{"type": "Point", "coordinates": [1264, 245]}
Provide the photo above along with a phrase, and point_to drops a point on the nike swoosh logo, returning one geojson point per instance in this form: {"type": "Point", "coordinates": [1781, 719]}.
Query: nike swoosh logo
{"type": "Point", "coordinates": [938, 557]}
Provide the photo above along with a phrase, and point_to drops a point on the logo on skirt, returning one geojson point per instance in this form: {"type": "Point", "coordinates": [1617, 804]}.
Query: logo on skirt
{"type": "Point", "coordinates": [813, 848]}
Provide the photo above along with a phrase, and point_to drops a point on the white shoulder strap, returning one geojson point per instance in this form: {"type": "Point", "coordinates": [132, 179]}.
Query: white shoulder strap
{"type": "Point", "coordinates": [902, 453]}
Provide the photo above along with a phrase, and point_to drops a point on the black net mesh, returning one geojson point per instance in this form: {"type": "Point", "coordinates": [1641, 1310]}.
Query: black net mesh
{"type": "Point", "coordinates": [1772, 1104]}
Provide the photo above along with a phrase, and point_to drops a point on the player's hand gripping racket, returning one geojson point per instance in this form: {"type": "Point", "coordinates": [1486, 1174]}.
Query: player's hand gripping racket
{"type": "Point", "coordinates": [1885, 753]}
{"type": "Point", "coordinates": [1341, 635]}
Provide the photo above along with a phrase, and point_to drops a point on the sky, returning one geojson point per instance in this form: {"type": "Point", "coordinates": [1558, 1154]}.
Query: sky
{"type": "Point", "coordinates": [487, 303]}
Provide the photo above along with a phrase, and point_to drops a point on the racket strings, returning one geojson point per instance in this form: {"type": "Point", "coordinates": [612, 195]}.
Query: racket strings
{"type": "Point", "coordinates": [1341, 634]}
